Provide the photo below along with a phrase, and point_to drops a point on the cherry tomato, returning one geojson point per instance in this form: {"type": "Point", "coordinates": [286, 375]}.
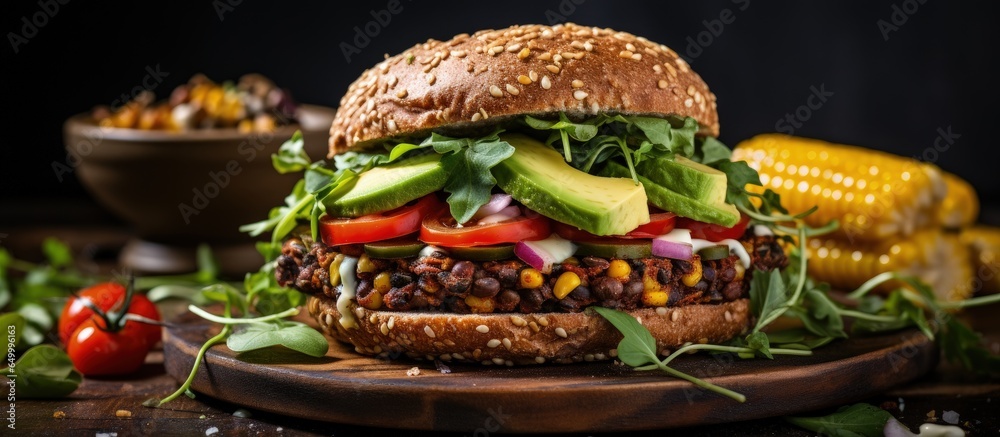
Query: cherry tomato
{"type": "Point", "coordinates": [377, 227]}
{"type": "Point", "coordinates": [659, 223]}
{"type": "Point", "coordinates": [94, 350]}
{"type": "Point", "coordinates": [710, 232]}
{"type": "Point", "coordinates": [440, 229]}
{"type": "Point", "coordinates": [108, 296]}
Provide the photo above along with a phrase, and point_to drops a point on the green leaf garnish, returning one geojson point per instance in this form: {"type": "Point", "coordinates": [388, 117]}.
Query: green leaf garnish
{"type": "Point", "coordinates": [292, 335]}
{"type": "Point", "coordinates": [44, 372]}
{"type": "Point", "coordinates": [855, 420]}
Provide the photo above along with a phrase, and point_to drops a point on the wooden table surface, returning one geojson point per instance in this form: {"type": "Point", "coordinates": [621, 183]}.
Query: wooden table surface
{"type": "Point", "coordinates": [114, 405]}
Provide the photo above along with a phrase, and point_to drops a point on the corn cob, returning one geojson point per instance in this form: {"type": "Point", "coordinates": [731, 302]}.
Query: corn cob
{"type": "Point", "coordinates": [936, 257]}
{"type": "Point", "coordinates": [961, 206]}
{"type": "Point", "coordinates": [873, 194]}
{"type": "Point", "coordinates": [984, 245]}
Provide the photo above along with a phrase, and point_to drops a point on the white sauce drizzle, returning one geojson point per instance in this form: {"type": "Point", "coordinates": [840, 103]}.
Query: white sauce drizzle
{"type": "Point", "coordinates": [933, 430]}
{"type": "Point", "coordinates": [348, 290]}
{"type": "Point", "coordinates": [735, 247]}
{"type": "Point", "coordinates": [762, 231]}
{"type": "Point", "coordinates": [429, 249]}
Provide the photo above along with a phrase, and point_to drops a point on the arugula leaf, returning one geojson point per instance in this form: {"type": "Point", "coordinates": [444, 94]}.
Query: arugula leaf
{"type": "Point", "coordinates": [291, 156]}
{"type": "Point", "coordinates": [44, 371]}
{"type": "Point", "coordinates": [760, 342]}
{"type": "Point", "coordinates": [855, 420]}
{"type": "Point", "coordinates": [767, 293]}
{"type": "Point", "coordinates": [637, 347]}
{"type": "Point", "coordinates": [293, 335]}
{"type": "Point", "coordinates": [711, 151]}
{"type": "Point", "coordinates": [821, 315]}
{"type": "Point", "coordinates": [57, 253]}
{"type": "Point", "coordinates": [739, 174]}
{"type": "Point", "coordinates": [963, 345]}
{"type": "Point", "coordinates": [16, 320]}
{"type": "Point", "coordinates": [470, 181]}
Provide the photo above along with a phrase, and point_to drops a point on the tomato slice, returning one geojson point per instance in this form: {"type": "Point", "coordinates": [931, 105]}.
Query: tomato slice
{"type": "Point", "coordinates": [710, 232]}
{"type": "Point", "coordinates": [439, 229]}
{"type": "Point", "coordinates": [376, 227]}
{"type": "Point", "coordinates": [659, 223]}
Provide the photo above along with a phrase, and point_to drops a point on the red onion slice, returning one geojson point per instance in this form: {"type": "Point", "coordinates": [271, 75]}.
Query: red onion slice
{"type": "Point", "coordinates": [497, 203]}
{"type": "Point", "coordinates": [504, 214]}
{"type": "Point", "coordinates": [541, 254]}
{"type": "Point", "coordinates": [674, 245]}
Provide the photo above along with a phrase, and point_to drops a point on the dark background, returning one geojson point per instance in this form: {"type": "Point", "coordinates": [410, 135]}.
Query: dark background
{"type": "Point", "coordinates": [934, 71]}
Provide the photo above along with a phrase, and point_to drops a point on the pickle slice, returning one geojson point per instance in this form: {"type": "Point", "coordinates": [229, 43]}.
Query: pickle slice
{"type": "Point", "coordinates": [622, 249]}
{"type": "Point", "coordinates": [482, 253]}
{"type": "Point", "coordinates": [405, 247]}
{"type": "Point", "coordinates": [712, 253]}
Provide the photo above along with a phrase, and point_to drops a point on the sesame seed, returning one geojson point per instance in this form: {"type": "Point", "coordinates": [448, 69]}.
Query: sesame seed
{"type": "Point", "coordinates": [373, 318]}
{"type": "Point", "coordinates": [674, 316]}
{"type": "Point", "coordinates": [662, 311]}
{"type": "Point", "coordinates": [613, 353]}
{"type": "Point", "coordinates": [524, 53]}
{"type": "Point", "coordinates": [556, 58]}
{"type": "Point", "coordinates": [518, 321]}
{"type": "Point", "coordinates": [540, 360]}
{"type": "Point", "coordinates": [513, 48]}
{"type": "Point", "coordinates": [534, 326]}
{"type": "Point", "coordinates": [576, 44]}
{"type": "Point", "coordinates": [729, 316]}
{"type": "Point", "coordinates": [624, 54]}
{"type": "Point", "coordinates": [483, 113]}
{"type": "Point", "coordinates": [401, 93]}
{"type": "Point", "coordinates": [670, 70]}
{"type": "Point", "coordinates": [524, 80]}
{"type": "Point", "coordinates": [431, 79]}
{"type": "Point", "coordinates": [445, 357]}
{"type": "Point", "coordinates": [359, 312]}
{"type": "Point", "coordinates": [690, 90]}
{"type": "Point", "coordinates": [588, 46]}
{"type": "Point", "coordinates": [495, 91]}
{"type": "Point", "coordinates": [483, 328]}
{"type": "Point", "coordinates": [579, 94]}
{"type": "Point", "coordinates": [392, 125]}
{"type": "Point", "coordinates": [477, 353]}
{"type": "Point", "coordinates": [477, 116]}
{"type": "Point", "coordinates": [493, 343]}
{"type": "Point", "coordinates": [561, 332]}
{"type": "Point", "coordinates": [552, 69]}
{"type": "Point", "coordinates": [689, 103]}
{"type": "Point", "coordinates": [577, 83]}
{"type": "Point", "coordinates": [430, 332]}
{"type": "Point", "coordinates": [496, 50]}
{"type": "Point", "coordinates": [703, 340]}
{"type": "Point", "coordinates": [545, 56]}
{"type": "Point", "coordinates": [637, 56]}
{"type": "Point", "coordinates": [599, 356]}
{"type": "Point", "coordinates": [512, 89]}
{"type": "Point", "coordinates": [532, 75]}
{"type": "Point", "coordinates": [436, 61]}
{"type": "Point", "coordinates": [657, 68]}
{"type": "Point", "coordinates": [544, 321]}
{"type": "Point", "coordinates": [630, 47]}
{"type": "Point", "coordinates": [506, 343]}
{"type": "Point", "coordinates": [384, 329]}
{"type": "Point", "coordinates": [393, 80]}
{"type": "Point", "coordinates": [509, 363]}
{"type": "Point", "coordinates": [651, 52]}
{"type": "Point", "coordinates": [588, 357]}
{"type": "Point", "coordinates": [662, 84]}
{"type": "Point", "coordinates": [459, 53]}
{"type": "Point", "coordinates": [698, 98]}
{"type": "Point", "coordinates": [328, 319]}
{"type": "Point", "coordinates": [498, 361]}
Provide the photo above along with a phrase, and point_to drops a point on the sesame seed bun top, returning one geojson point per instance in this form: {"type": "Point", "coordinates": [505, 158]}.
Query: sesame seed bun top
{"type": "Point", "coordinates": [476, 81]}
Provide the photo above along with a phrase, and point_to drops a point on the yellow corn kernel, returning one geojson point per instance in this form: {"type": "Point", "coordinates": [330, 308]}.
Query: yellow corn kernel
{"type": "Point", "coordinates": [572, 261]}
{"type": "Point", "coordinates": [694, 276]}
{"type": "Point", "coordinates": [984, 245]}
{"type": "Point", "coordinates": [365, 264]}
{"type": "Point", "coordinates": [335, 270]}
{"type": "Point", "coordinates": [382, 283]}
{"type": "Point", "coordinates": [873, 194]}
{"type": "Point", "coordinates": [960, 207]}
{"type": "Point", "coordinates": [934, 256]}
{"type": "Point", "coordinates": [565, 284]}
{"type": "Point", "coordinates": [740, 271]}
{"type": "Point", "coordinates": [479, 305]}
{"type": "Point", "coordinates": [530, 278]}
{"type": "Point", "coordinates": [619, 269]}
{"type": "Point", "coordinates": [374, 301]}
{"type": "Point", "coordinates": [652, 294]}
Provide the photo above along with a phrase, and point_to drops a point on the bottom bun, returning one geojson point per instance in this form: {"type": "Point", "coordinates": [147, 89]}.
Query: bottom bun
{"type": "Point", "coordinates": [522, 338]}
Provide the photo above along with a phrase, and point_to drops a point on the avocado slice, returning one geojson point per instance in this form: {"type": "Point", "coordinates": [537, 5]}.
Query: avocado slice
{"type": "Point", "coordinates": [390, 186]}
{"type": "Point", "coordinates": [722, 214]}
{"type": "Point", "coordinates": [687, 178]}
{"type": "Point", "coordinates": [538, 176]}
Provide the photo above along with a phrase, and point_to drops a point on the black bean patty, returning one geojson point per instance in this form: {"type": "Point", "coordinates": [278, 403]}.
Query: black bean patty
{"type": "Point", "coordinates": [440, 283]}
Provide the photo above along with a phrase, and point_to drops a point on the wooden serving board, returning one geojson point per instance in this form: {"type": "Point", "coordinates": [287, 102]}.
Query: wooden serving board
{"type": "Point", "coordinates": [345, 387]}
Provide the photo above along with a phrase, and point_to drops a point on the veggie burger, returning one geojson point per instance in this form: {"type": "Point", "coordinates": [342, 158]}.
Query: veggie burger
{"type": "Point", "coordinates": [481, 193]}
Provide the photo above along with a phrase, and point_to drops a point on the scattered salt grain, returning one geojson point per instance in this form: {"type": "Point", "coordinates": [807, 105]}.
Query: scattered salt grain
{"type": "Point", "coordinates": [413, 372]}
{"type": "Point", "coordinates": [950, 417]}
{"type": "Point", "coordinates": [211, 431]}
